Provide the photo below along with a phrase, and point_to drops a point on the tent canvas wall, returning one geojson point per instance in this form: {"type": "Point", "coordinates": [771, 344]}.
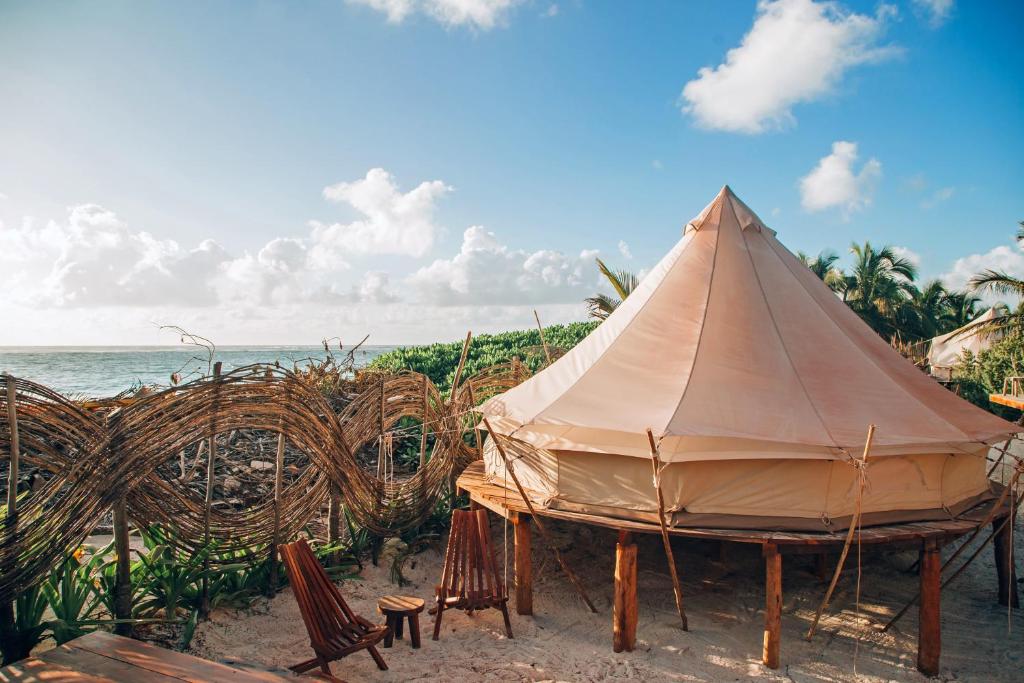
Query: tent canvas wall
{"type": "Point", "coordinates": [948, 349]}
{"type": "Point", "coordinates": [759, 384]}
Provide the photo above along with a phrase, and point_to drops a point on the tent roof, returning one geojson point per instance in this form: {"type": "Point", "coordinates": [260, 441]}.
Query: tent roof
{"type": "Point", "coordinates": [946, 350]}
{"type": "Point", "coordinates": [732, 348]}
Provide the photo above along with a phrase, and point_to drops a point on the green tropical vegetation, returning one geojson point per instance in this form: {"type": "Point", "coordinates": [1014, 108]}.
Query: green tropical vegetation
{"type": "Point", "coordinates": [440, 361]}
{"type": "Point", "coordinates": [623, 282]}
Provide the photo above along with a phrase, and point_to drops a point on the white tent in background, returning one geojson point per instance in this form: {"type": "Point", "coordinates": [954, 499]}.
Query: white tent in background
{"type": "Point", "coordinates": [946, 350]}
{"type": "Point", "coordinates": [760, 384]}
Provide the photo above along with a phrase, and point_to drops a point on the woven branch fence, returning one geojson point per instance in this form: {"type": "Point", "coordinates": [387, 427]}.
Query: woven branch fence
{"type": "Point", "coordinates": [96, 459]}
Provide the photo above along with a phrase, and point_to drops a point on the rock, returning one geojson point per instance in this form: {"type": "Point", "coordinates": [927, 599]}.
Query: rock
{"type": "Point", "coordinates": [232, 484]}
{"type": "Point", "coordinates": [261, 465]}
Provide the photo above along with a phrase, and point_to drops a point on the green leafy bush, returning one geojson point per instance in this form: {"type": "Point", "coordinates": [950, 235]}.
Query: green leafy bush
{"type": "Point", "coordinates": [439, 361]}
{"type": "Point", "coordinates": [983, 374]}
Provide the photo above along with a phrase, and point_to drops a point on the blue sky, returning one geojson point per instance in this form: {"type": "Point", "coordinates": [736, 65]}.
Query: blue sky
{"type": "Point", "coordinates": [212, 165]}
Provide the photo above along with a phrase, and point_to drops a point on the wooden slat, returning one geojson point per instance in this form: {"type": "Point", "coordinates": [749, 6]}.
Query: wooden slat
{"type": "Point", "coordinates": [35, 670]}
{"type": "Point", "coordinates": [173, 665]}
{"type": "Point", "coordinates": [87, 662]}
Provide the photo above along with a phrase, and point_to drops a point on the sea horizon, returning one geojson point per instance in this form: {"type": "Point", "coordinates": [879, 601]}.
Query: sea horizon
{"type": "Point", "coordinates": [103, 371]}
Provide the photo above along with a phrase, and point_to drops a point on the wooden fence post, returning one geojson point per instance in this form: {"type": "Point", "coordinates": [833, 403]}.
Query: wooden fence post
{"type": "Point", "coordinates": [7, 608]}
{"type": "Point", "coordinates": [123, 569]}
{"type": "Point", "coordinates": [1004, 561]}
{"type": "Point", "coordinates": [272, 579]}
{"type": "Point", "coordinates": [423, 429]}
{"type": "Point", "coordinates": [211, 458]}
{"type": "Point", "coordinates": [334, 523]}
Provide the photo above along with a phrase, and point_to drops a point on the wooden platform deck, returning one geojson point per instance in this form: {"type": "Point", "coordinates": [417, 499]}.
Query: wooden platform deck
{"type": "Point", "coordinates": [102, 658]}
{"type": "Point", "coordinates": [1008, 400]}
{"type": "Point", "coordinates": [926, 537]}
{"type": "Point", "coordinates": [509, 504]}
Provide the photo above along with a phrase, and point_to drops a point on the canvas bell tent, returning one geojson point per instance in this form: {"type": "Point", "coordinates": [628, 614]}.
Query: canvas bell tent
{"type": "Point", "coordinates": [948, 349]}
{"type": "Point", "coordinates": [759, 385]}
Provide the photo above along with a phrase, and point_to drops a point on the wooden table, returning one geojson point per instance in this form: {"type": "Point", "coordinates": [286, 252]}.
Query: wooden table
{"type": "Point", "coordinates": [102, 658]}
{"type": "Point", "coordinates": [925, 537]}
{"type": "Point", "coordinates": [395, 609]}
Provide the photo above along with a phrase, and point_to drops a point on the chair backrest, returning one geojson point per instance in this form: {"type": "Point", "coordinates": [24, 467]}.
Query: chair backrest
{"type": "Point", "coordinates": [469, 568]}
{"type": "Point", "coordinates": [325, 612]}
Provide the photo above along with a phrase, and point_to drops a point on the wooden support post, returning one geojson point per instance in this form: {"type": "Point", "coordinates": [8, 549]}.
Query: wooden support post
{"type": "Point", "coordinates": [423, 429]}
{"type": "Point", "coordinates": [625, 610]}
{"type": "Point", "coordinates": [523, 564]}
{"type": "Point", "coordinates": [334, 522]}
{"type": "Point", "coordinates": [122, 569]}
{"type": "Point", "coordinates": [772, 605]}
{"type": "Point", "coordinates": [7, 622]}
{"type": "Point", "coordinates": [1005, 569]}
{"type": "Point", "coordinates": [929, 630]}
{"type": "Point", "coordinates": [821, 566]}
{"type": "Point", "coordinates": [211, 461]}
{"type": "Point", "coordinates": [381, 466]}
{"type": "Point", "coordinates": [272, 574]}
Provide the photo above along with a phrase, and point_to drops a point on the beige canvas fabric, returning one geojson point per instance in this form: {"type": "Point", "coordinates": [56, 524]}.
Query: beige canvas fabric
{"type": "Point", "coordinates": [946, 350]}
{"type": "Point", "coordinates": [760, 384]}
{"type": "Point", "coordinates": [731, 348]}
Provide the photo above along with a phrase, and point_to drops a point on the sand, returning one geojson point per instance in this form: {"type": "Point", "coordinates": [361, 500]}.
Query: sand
{"type": "Point", "coordinates": [725, 606]}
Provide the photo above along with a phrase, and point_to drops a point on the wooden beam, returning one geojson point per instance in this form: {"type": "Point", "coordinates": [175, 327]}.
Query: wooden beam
{"type": "Point", "coordinates": [211, 463]}
{"type": "Point", "coordinates": [334, 523]}
{"type": "Point", "coordinates": [7, 622]}
{"type": "Point", "coordinates": [523, 564]}
{"type": "Point", "coordinates": [929, 633]}
{"type": "Point", "coordinates": [272, 575]}
{"type": "Point", "coordinates": [625, 611]}
{"type": "Point", "coordinates": [1005, 569]}
{"type": "Point", "coordinates": [122, 569]}
{"type": "Point", "coordinates": [772, 605]}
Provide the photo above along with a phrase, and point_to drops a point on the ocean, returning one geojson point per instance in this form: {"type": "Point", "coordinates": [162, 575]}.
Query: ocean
{"type": "Point", "coordinates": [102, 371]}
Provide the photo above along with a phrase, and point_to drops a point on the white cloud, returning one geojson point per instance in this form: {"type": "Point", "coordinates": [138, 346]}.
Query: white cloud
{"type": "Point", "coordinates": [1004, 258]}
{"type": "Point", "coordinates": [937, 12]}
{"type": "Point", "coordinates": [551, 11]}
{"type": "Point", "coordinates": [486, 271]}
{"type": "Point", "coordinates": [908, 254]}
{"type": "Point", "coordinates": [373, 289]}
{"type": "Point", "coordinates": [834, 184]}
{"type": "Point", "coordinates": [478, 14]}
{"type": "Point", "coordinates": [394, 223]}
{"type": "Point", "coordinates": [796, 51]}
{"type": "Point", "coordinates": [624, 250]}
{"type": "Point", "coordinates": [938, 197]}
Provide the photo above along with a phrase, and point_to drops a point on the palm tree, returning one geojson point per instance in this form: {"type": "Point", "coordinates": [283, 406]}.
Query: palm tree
{"type": "Point", "coordinates": [622, 281]}
{"type": "Point", "coordinates": [823, 265]}
{"type": "Point", "coordinates": [963, 307]}
{"type": "Point", "coordinates": [1001, 282]}
{"type": "Point", "coordinates": [880, 287]}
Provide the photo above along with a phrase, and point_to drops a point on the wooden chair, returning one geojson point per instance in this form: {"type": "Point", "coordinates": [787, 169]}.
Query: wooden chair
{"type": "Point", "coordinates": [335, 631]}
{"type": "Point", "coordinates": [470, 578]}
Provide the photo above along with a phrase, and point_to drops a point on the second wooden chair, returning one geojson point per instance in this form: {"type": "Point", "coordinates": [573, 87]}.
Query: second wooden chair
{"type": "Point", "coordinates": [470, 579]}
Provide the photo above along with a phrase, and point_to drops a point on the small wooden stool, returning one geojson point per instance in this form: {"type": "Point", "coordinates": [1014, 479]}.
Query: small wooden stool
{"type": "Point", "coordinates": [395, 609]}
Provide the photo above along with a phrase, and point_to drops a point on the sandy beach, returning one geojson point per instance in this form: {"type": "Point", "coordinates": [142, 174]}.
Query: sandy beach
{"type": "Point", "coordinates": [724, 603]}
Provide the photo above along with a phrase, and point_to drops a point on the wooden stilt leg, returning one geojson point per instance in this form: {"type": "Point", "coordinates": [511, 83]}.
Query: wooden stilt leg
{"type": "Point", "coordinates": [1005, 571]}
{"type": "Point", "coordinates": [821, 567]}
{"type": "Point", "coordinates": [624, 614]}
{"type": "Point", "coordinates": [523, 564]}
{"type": "Point", "coordinates": [929, 636]}
{"type": "Point", "coordinates": [772, 605]}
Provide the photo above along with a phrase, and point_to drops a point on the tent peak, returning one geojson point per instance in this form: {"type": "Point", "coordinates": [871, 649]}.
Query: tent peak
{"type": "Point", "coordinates": [726, 196]}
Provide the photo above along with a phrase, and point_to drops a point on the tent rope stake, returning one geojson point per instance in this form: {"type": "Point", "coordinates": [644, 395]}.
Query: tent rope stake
{"type": "Point", "coordinates": [676, 587]}
{"type": "Point", "coordinates": [569, 573]}
{"type": "Point", "coordinates": [854, 524]}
